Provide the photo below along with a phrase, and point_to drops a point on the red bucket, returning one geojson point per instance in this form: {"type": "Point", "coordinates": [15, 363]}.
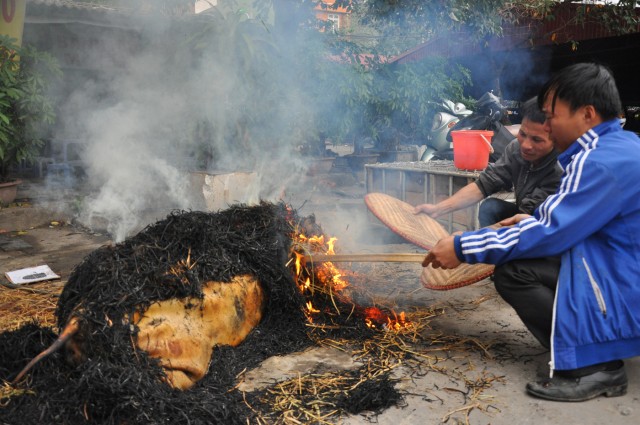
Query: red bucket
{"type": "Point", "coordinates": [471, 149]}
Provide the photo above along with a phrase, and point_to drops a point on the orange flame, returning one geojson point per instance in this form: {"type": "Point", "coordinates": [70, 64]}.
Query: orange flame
{"type": "Point", "coordinates": [327, 276]}
{"type": "Point", "coordinates": [330, 244]}
{"type": "Point", "coordinates": [299, 258]}
{"type": "Point", "coordinates": [374, 317]}
{"type": "Point", "coordinates": [311, 308]}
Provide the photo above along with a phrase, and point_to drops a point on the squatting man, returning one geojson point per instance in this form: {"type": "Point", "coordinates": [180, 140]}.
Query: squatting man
{"type": "Point", "coordinates": [572, 270]}
{"type": "Point", "coordinates": [528, 166]}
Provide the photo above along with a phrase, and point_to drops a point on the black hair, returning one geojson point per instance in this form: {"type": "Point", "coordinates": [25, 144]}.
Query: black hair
{"type": "Point", "coordinates": [584, 84]}
{"type": "Point", "coordinates": [531, 111]}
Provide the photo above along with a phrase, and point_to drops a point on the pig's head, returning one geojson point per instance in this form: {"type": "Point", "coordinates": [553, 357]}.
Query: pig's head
{"type": "Point", "coordinates": [181, 287]}
{"type": "Point", "coordinates": [183, 333]}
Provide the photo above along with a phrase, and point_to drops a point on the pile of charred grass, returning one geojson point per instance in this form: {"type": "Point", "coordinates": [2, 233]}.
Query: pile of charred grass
{"type": "Point", "coordinates": [120, 384]}
{"type": "Point", "coordinates": [172, 258]}
{"type": "Point", "coordinates": [323, 399]}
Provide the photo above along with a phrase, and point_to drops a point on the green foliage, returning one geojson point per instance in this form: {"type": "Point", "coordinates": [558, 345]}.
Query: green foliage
{"type": "Point", "coordinates": [249, 82]}
{"type": "Point", "coordinates": [25, 108]}
{"type": "Point", "coordinates": [295, 85]}
{"type": "Point", "coordinates": [620, 18]}
{"type": "Point", "coordinates": [408, 94]}
{"type": "Point", "coordinates": [483, 18]}
{"type": "Point", "coordinates": [359, 95]}
{"type": "Point", "coordinates": [301, 87]}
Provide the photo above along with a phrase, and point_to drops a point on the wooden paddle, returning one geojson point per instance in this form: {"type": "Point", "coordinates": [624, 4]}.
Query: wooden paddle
{"type": "Point", "coordinates": [383, 258]}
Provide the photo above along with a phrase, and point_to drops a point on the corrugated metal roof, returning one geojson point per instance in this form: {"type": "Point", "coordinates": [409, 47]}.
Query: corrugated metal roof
{"type": "Point", "coordinates": [84, 5]}
{"type": "Point", "coordinates": [94, 10]}
{"type": "Point", "coordinates": [42, 12]}
{"type": "Point", "coordinates": [94, 13]}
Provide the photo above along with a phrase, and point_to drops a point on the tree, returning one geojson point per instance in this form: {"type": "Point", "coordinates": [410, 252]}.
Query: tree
{"type": "Point", "coordinates": [478, 22]}
{"type": "Point", "coordinates": [25, 107]}
{"type": "Point", "coordinates": [482, 18]}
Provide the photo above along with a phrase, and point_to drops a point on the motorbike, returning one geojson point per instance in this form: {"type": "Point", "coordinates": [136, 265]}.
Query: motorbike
{"type": "Point", "coordinates": [443, 122]}
{"type": "Point", "coordinates": [488, 114]}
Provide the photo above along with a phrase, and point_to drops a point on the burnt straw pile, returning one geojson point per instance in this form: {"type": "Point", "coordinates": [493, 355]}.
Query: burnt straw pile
{"type": "Point", "coordinates": [117, 382]}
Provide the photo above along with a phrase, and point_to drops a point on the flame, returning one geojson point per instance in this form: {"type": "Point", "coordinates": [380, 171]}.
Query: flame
{"type": "Point", "coordinates": [398, 323]}
{"type": "Point", "coordinates": [311, 309]}
{"type": "Point", "coordinates": [299, 258]}
{"type": "Point", "coordinates": [374, 318]}
{"type": "Point", "coordinates": [331, 276]}
{"type": "Point", "coordinates": [328, 274]}
{"type": "Point", "coordinates": [326, 278]}
{"type": "Point", "coordinates": [330, 244]}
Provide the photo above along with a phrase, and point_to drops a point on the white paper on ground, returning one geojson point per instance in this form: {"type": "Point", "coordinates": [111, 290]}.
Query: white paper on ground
{"type": "Point", "coordinates": [31, 274]}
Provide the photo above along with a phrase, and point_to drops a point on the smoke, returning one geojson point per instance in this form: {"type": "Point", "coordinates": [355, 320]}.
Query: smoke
{"type": "Point", "coordinates": [157, 107]}
{"type": "Point", "coordinates": [131, 145]}
{"type": "Point", "coordinates": [221, 94]}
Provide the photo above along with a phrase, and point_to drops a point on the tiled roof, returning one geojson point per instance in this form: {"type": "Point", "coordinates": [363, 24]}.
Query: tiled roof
{"type": "Point", "coordinates": [562, 29]}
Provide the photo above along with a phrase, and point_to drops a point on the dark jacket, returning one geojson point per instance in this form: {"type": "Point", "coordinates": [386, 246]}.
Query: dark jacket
{"type": "Point", "coordinates": [531, 184]}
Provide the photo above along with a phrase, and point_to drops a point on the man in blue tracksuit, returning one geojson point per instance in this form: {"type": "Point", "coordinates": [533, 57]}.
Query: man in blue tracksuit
{"type": "Point", "coordinates": [572, 270]}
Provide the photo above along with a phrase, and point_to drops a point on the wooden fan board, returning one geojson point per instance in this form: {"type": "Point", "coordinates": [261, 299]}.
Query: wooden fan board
{"type": "Point", "coordinates": [423, 231]}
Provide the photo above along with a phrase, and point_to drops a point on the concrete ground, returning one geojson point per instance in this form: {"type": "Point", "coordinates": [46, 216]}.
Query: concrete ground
{"type": "Point", "coordinates": [481, 381]}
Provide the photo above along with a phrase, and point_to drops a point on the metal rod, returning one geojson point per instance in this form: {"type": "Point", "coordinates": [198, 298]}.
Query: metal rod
{"type": "Point", "coordinates": [367, 258]}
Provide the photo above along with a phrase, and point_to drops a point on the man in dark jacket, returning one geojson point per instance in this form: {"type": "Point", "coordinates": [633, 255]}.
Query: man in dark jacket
{"type": "Point", "coordinates": [571, 271]}
{"type": "Point", "coordinates": [528, 166]}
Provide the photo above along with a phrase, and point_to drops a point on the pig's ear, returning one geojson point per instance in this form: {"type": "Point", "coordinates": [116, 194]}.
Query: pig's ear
{"type": "Point", "coordinates": [69, 330]}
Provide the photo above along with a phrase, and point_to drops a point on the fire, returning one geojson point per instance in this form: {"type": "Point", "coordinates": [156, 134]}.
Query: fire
{"type": "Point", "coordinates": [328, 274]}
{"type": "Point", "coordinates": [374, 318]}
{"type": "Point", "coordinates": [398, 323]}
{"type": "Point", "coordinates": [299, 258]}
{"type": "Point", "coordinates": [330, 244]}
{"type": "Point", "coordinates": [311, 309]}
{"type": "Point", "coordinates": [325, 277]}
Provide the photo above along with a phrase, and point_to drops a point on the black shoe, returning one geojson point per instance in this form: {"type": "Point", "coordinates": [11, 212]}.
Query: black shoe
{"type": "Point", "coordinates": [559, 388]}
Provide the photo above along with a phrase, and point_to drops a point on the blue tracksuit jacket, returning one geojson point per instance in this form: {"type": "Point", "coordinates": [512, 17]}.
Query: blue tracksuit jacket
{"type": "Point", "coordinates": [593, 222]}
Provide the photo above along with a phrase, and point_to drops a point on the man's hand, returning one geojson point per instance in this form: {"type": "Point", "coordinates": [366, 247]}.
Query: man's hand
{"type": "Point", "coordinates": [443, 255]}
{"type": "Point", "coordinates": [511, 221]}
{"type": "Point", "coordinates": [429, 209]}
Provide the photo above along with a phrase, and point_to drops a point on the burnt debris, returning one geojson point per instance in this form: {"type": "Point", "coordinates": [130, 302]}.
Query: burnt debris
{"type": "Point", "coordinates": [120, 384]}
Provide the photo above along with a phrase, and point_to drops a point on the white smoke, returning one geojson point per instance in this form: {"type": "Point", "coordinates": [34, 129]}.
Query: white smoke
{"type": "Point", "coordinates": [138, 119]}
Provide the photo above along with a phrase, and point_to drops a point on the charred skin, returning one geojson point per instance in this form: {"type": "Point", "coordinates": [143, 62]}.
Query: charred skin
{"type": "Point", "coordinates": [182, 333]}
{"type": "Point", "coordinates": [119, 292]}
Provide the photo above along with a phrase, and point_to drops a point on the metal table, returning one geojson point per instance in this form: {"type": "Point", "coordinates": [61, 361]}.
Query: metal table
{"type": "Point", "coordinates": [424, 182]}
